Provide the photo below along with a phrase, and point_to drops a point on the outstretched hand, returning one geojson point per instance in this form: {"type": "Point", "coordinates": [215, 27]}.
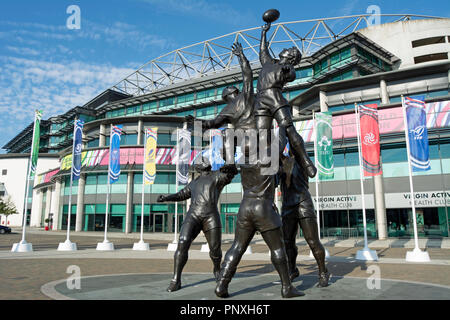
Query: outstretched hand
{"type": "Point", "coordinates": [236, 48]}
{"type": "Point", "coordinates": [286, 69]}
{"type": "Point", "coordinates": [266, 27]}
{"type": "Point", "coordinates": [161, 198]}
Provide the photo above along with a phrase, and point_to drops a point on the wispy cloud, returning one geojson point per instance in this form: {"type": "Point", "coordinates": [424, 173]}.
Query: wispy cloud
{"type": "Point", "coordinates": [29, 84]}
{"type": "Point", "coordinates": [218, 11]}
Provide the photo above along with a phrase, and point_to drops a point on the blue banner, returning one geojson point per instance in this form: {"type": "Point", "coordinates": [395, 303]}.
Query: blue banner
{"type": "Point", "coordinates": [77, 146]}
{"type": "Point", "coordinates": [114, 154]}
{"type": "Point", "coordinates": [183, 155]}
{"type": "Point", "coordinates": [216, 159]}
{"type": "Point", "coordinates": [416, 117]}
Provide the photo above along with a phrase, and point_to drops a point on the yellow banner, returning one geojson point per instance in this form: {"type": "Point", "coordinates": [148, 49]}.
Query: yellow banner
{"type": "Point", "coordinates": [150, 155]}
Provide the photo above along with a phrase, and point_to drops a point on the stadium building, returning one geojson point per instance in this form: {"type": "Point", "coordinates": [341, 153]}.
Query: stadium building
{"type": "Point", "coordinates": [345, 61]}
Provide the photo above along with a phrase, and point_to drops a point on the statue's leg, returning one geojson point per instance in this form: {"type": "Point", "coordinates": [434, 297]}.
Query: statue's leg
{"type": "Point", "coordinates": [214, 238]}
{"type": "Point", "coordinates": [297, 145]}
{"type": "Point", "coordinates": [189, 231]}
{"type": "Point", "coordinates": [290, 228]}
{"type": "Point", "coordinates": [274, 240]}
{"type": "Point", "coordinates": [242, 238]}
{"type": "Point", "coordinates": [310, 231]}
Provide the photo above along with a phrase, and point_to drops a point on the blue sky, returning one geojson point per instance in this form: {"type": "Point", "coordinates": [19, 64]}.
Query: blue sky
{"type": "Point", "coordinates": [45, 65]}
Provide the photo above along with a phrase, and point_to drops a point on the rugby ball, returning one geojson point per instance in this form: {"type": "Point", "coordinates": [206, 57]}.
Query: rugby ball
{"type": "Point", "coordinates": [271, 15]}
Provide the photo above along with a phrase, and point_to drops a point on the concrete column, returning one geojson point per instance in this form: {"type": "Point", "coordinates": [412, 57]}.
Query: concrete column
{"type": "Point", "coordinates": [378, 186]}
{"type": "Point", "coordinates": [140, 129]}
{"type": "Point", "coordinates": [36, 208]}
{"type": "Point", "coordinates": [56, 197]}
{"type": "Point", "coordinates": [102, 138]}
{"type": "Point", "coordinates": [48, 203]}
{"type": "Point", "coordinates": [384, 92]}
{"type": "Point", "coordinates": [80, 203]}
{"type": "Point", "coordinates": [129, 210]}
{"type": "Point", "coordinates": [323, 101]}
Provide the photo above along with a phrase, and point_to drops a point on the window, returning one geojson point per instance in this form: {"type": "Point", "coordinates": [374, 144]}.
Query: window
{"type": "Point", "coordinates": [165, 139]}
{"type": "Point", "coordinates": [431, 57]}
{"type": "Point", "coordinates": [4, 172]}
{"type": "Point", "coordinates": [149, 107]}
{"type": "Point", "coordinates": [166, 104]}
{"type": "Point", "coordinates": [428, 41]}
{"type": "Point", "coordinates": [93, 143]}
{"type": "Point", "coordinates": [185, 99]}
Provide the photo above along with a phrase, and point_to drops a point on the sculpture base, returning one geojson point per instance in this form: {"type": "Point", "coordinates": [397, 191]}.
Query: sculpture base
{"type": "Point", "coordinates": [105, 246]}
{"type": "Point", "coordinates": [172, 246]}
{"type": "Point", "coordinates": [67, 246]}
{"type": "Point", "coordinates": [367, 255]}
{"type": "Point", "coordinates": [327, 254]}
{"type": "Point", "coordinates": [141, 246]}
{"type": "Point", "coordinates": [417, 255]}
{"type": "Point", "coordinates": [22, 246]}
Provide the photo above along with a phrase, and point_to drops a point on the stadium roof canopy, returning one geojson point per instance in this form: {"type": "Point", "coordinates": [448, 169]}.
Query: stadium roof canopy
{"type": "Point", "coordinates": [214, 55]}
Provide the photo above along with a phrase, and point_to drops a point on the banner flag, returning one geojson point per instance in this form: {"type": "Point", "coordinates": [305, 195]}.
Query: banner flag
{"type": "Point", "coordinates": [114, 153]}
{"type": "Point", "coordinates": [35, 143]}
{"type": "Point", "coordinates": [324, 142]}
{"type": "Point", "coordinates": [370, 139]}
{"type": "Point", "coordinates": [183, 155]}
{"type": "Point", "coordinates": [416, 117]}
{"type": "Point", "coordinates": [151, 137]}
{"type": "Point", "coordinates": [76, 151]}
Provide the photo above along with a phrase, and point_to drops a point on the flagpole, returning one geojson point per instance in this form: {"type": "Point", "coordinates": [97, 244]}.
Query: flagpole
{"type": "Point", "coordinates": [23, 245]}
{"type": "Point", "coordinates": [317, 177]}
{"type": "Point", "coordinates": [327, 254]}
{"type": "Point", "coordinates": [67, 245]}
{"type": "Point", "coordinates": [416, 255]}
{"type": "Point", "coordinates": [365, 253]}
{"type": "Point", "coordinates": [106, 245]}
{"type": "Point", "coordinates": [176, 187]}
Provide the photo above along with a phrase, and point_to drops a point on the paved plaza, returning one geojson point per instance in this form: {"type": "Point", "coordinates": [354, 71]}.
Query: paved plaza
{"type": "Point", "coordinates": [127, 274]}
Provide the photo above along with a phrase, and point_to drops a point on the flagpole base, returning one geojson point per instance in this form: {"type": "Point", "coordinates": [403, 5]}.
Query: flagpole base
{"type": "Point", "coordinates": [205, 248]}
{"type": "Point", "coordinates": [366, 254]}
{"type": "Point", "coordinates": [417, 255]}
{"type": "Point", "coordinates": [327, 254]}
{"type": "Point", "coordinates": [141, 246]}
{"type": "Point", "coordinates": [248, 251]}
{"type": "Point", "coordinates": [105, 246]}
{"type": "Point", "coordinates": [172, 246]}
{"type": "Point", "coordinates": [67, 246]}
{"type": "Point", "coordinates": [22, 246]}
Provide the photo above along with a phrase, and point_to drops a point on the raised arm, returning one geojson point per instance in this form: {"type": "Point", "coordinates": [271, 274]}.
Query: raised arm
{"type": "Point", "coordinates": [226, 174]}
{"type": "Point", "coordinates": [264, 55]}
{"type": "Point", "coordinates": [181, 195]}
{"type": "Point", "coordinates": [247, 73]}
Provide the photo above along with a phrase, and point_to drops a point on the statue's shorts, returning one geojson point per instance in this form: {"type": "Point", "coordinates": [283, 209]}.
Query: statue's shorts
{"type": "Point", "coordinates": [207, 221]}
{"type": "Point", "coordinates": [304, 209]}
{"type": "Point", "coordinates": [258, 214]}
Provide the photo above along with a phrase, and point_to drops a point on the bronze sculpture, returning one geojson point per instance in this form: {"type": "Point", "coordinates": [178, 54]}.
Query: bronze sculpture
{"type": "Point", "coordinates": [202, 215]}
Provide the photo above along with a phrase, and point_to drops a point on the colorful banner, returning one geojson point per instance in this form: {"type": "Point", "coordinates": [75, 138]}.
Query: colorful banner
{"type": "Point", "coordinates": [183, 155]}
{"type": "Point", "coordinates": [76, 150]}
{"type": "Point", "coordinates": [114, 156]}
{"type": "Point", "coordinates": [390, 121]}
{"type": "Point", "coordinates": [150, 155]}
{"type": "Point", "coordinates": [417, 133]}
{"type": "Point", "coordinates": [35, 143]}
{"type": "Point", "coordinates": [370, 140]}
{"type": "Point", "coordinates": [324, 145]}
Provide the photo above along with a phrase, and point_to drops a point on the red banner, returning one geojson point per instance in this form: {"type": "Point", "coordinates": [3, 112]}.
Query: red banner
{"type": "Point", "coordinates": [370, 140]}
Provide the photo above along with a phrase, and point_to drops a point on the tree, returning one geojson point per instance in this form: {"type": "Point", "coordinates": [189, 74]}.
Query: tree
{"type": "Point", "coordinates": [7, 207]}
